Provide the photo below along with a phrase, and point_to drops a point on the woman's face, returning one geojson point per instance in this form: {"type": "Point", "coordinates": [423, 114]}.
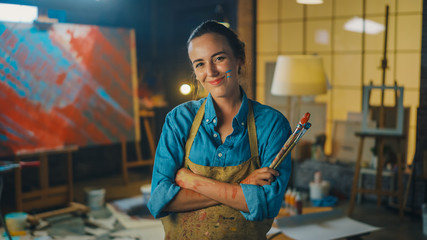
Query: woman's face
{"type": "Point", "coordinates": [212, 57]}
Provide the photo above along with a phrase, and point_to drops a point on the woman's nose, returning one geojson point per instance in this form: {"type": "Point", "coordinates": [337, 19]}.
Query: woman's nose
{"type": "Point", "coordinates": [212, 71]}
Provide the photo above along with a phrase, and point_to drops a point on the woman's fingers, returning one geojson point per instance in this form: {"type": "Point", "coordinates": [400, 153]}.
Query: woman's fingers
{"type": "Point", "coordinates": [261, 177]}
{"type": "Point", "coordinates": [270, 170]}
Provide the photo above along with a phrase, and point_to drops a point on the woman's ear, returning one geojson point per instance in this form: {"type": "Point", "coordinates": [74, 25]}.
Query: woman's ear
{"type": "Point", "coordinates": [240, 63]}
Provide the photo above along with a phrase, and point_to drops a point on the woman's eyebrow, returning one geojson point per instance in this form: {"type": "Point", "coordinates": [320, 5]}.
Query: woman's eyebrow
{"type": "Point", "coordinates": [213, 55]}
{"type": "Point", "coordinates": [197, 60]}
{"type": "Point", "coordinates": [218, 53]}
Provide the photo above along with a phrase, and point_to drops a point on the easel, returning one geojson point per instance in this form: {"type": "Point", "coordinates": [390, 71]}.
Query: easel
{"type": "Point", "coordinates": [146, 116]}
{"type": "Point", "coordinates": [46, 196]}
{"type": "Point", "coordinates": [379, 174]}
{"type": "Point", "coordinates": [380, 134]}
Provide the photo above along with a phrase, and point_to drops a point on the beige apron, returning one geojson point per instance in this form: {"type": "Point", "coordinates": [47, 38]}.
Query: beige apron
{"type": "Point", "coordinates": [220, 221]}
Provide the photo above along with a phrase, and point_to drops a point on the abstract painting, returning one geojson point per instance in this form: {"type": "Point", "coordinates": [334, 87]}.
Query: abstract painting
{"type": "Point", "coordinates": [66, 84]}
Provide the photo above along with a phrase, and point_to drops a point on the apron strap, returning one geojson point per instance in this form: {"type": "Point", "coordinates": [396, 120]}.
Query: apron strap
{"type": "Point", "coordinates": [253, 143]}
{"type": "Point", "coordinates": [194, 128]}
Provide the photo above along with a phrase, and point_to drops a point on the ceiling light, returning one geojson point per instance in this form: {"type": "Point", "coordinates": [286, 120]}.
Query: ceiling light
{"type": "Point", "coordinates": [310, 2]}
{"type": "Point", "coordinates": [356, 25]}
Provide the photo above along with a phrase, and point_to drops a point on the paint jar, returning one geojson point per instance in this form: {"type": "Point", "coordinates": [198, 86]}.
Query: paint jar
{"type": "Point", "coordinates": [16, 223]}
{"type": "Point", "coordinates": [319, 190]}
{"type": "Point", "coordinates": [95, 198]}
{"type": "Point", "coordinates": [146, 192]}
{"type": "Point", "coordinates": [424, 215]}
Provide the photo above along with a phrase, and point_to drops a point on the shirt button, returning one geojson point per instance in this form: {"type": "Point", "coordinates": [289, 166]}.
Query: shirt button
{"type": "Point", "coordinates": [243, 124]}
{"type": "Point", "coordinates": [215, 135]}
{"type": "Point", "coordinates": [207, 120]}
{"type": "Point", "coordinates": [219, 154]}
{"type": "Point", "coordinates": [214, 121]}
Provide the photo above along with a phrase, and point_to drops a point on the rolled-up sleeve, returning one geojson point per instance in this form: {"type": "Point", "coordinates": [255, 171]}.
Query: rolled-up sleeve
{"type": "Point", "coordinates": [168, 159]}
{"type": "Point", "coordinates": [265, 202]}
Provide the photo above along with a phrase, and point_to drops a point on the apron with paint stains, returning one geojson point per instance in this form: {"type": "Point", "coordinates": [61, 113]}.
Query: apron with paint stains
{"type": "Point", "coordinates": [220, 221]}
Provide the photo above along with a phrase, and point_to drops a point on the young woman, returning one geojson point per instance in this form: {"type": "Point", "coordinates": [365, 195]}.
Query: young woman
{"type": "Point", "coordinates": [211, 178]}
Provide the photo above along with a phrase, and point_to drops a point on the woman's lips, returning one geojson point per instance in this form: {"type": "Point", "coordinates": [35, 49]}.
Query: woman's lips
{"type": "Point", "coordinates": [216, 81]}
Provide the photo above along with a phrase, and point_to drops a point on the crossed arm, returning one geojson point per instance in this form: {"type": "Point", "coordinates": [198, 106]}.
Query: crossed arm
{"type": "Point", "coordinates": [199, 192]}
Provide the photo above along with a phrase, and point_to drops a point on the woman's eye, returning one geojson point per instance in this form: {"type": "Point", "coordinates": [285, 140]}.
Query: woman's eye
{"type": "Point", "coordinates": [198, 65]}
{"type": "Point", "coordinates": [219, 58]}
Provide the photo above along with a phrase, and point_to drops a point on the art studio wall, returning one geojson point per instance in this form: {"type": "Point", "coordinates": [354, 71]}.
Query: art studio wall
{"type": "Point", "coordinates": [351, 59]}
{"type": "Point", "coordinates": [161, 30]}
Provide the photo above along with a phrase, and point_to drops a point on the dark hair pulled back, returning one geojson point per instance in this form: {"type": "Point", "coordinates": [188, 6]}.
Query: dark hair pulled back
{"type": "Point", "coordinates": [212, 26]}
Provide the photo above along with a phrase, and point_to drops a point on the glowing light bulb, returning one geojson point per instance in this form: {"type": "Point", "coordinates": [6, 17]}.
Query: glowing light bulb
{"type": "Point", "coordinates": [185, 89]}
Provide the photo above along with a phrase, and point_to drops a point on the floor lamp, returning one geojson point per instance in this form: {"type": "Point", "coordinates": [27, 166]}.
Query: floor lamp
{"type": "Point", "coordinates": [298, 75]}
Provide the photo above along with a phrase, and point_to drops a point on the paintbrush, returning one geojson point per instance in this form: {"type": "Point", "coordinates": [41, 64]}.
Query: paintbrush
{"type": "Point", "coordinates": [306, 127]}
{"type": "Point", "coordinates": [8, 165]}
{"type": "Point", "coordinates": [291, 139]}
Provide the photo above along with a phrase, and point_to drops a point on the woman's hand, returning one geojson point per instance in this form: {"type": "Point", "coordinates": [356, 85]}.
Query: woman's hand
{"type": "Point", "coordinates": [261, 177]}
{"type": "Point", "coordinates": [187, 198]}
{"type": "Point", "coordinates": [211, 191]}
{"type": "Point", "coordinates": [183, 177]}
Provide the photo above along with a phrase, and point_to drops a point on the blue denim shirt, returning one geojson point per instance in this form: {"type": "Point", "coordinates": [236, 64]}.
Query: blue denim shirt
{"type": "Point", "coordinates": [272, 130]}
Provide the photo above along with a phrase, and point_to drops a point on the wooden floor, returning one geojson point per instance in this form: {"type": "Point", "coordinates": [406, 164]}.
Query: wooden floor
{"type": "Point", "coordinates": [115, 188]}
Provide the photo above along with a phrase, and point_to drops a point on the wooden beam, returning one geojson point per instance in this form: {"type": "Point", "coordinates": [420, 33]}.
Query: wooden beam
{"type": "Point", "coordinates": [246, 20]}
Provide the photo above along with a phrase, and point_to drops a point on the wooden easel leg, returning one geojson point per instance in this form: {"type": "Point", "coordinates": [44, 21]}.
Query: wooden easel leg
{"type": "Point", "coordinates": [354, 188]}
{"type": "Point", "coordinates": [18, 186]}
{"type": "Point", "coordinates": [44, 175]}
{"type": "Point", "coordinates": [150, 137]}
{"type": "Point", "coordinates": [70, 176]}
{"type": "Point", "coordinates": [408, 185]}
{"type": "Point", "coordinates": [400, 183]}
{"type": "Point", "coordinates": [380, 165]}
{"type": "Point", "coordinates": [124, 163]}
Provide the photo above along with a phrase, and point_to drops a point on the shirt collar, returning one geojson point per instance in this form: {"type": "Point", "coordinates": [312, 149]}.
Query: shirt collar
{"type": "Point", "coordinates": [239, 119]}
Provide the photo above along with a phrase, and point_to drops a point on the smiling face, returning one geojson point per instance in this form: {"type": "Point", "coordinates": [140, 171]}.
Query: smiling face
{"type": "Point", "coordinates": [212, 57]}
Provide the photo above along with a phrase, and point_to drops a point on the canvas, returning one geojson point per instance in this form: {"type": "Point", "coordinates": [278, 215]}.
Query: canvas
{"type": "Point", "coordinates": [66, 84]}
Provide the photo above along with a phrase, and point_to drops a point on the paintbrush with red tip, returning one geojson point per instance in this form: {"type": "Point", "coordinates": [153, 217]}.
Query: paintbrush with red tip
{"type": "Point", "coordinates": [291, 140]}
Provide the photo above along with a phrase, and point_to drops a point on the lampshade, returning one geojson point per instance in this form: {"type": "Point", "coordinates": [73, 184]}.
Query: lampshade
{"type": "Point", "coordinates": [298, 75]}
